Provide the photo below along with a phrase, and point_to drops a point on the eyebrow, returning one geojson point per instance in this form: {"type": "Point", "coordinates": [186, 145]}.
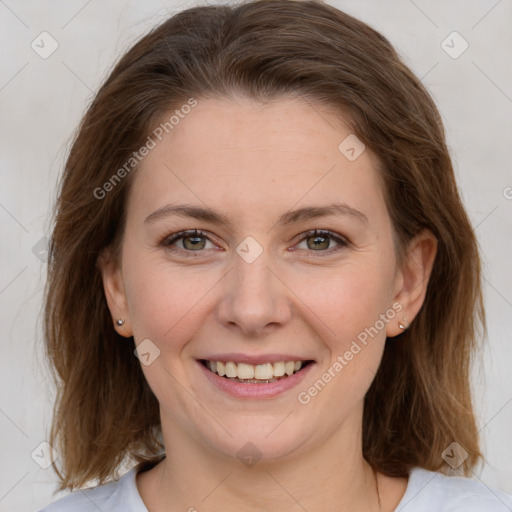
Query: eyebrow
{"type": "Point", "coordinates": [291, 217]}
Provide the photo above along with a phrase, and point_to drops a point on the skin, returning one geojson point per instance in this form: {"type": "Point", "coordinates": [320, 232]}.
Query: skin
{"type": "Point", "coordinates": [253, 162]}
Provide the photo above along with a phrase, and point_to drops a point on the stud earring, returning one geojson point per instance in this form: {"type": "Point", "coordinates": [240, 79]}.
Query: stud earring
{"type": "Point", "coordinates": [120, 322]}
{"type": "Point", "coordinates": [402, 326]}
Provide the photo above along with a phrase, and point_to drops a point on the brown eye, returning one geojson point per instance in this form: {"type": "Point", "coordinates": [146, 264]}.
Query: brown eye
{"type": "Point", "coordinates": [322, 241]}
{"type": "Point", "coordinates": [191, 241]}
{"type": "Point", "coordinates": [194, 242]}
{"type": "Point", "coordinates": [318, 242]}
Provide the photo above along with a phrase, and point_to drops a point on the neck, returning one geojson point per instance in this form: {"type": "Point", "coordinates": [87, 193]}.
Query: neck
{"type": "Point", "coordinates": [332, 475]}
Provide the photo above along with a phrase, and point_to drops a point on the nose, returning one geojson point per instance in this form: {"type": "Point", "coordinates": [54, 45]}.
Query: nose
{"type": "Point", "coordinates": [254, 299]}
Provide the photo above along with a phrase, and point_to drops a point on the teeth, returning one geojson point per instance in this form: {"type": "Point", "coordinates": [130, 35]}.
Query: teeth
{"type": "Point", "coordinates": [262, 372]}
{"type": "Point", "coordinates": [289, 366]}
{"type": "Point", "coordinates": [279, 369]}
{"type": "Point", "coordinates": [244, 371]}
{"type": "Point", "coordinates": [231, 370]}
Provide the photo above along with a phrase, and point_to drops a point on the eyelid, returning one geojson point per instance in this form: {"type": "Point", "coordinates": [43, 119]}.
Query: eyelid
{"type": "Point", "coordinates": [339, 239]}
{"type": "Point", "coordinates": [174, 237]}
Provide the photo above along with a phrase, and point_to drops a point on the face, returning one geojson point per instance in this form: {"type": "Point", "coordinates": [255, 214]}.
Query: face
{"type": "Point", "coordinates": [258, 286]}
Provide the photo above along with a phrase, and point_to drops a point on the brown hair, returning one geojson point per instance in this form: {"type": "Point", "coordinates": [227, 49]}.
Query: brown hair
{"type": "Point", "coordinates": [420, 399]}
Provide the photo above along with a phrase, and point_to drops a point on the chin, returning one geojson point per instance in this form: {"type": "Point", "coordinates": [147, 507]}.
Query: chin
{"type": "Point", "coordinates": [258, 441]}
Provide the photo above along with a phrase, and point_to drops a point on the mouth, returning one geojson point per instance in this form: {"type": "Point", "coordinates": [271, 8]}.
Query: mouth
{"type": "Point", "coordinates": [264, 373]}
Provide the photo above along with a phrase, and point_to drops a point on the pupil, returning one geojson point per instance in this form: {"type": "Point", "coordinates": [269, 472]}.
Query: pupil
{"type": "Point", "coordinates": [318, 241]}
{"type": "Point", "coordinates": [197, 240]}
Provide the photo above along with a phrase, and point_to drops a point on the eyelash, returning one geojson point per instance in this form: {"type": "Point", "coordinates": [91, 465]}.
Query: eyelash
{"type": "Point", "coordinates": [342, 243]}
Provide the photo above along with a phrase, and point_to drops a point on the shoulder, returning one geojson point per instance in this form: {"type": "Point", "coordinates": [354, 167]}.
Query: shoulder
{"type": "Point", "coordinates": [117, 496]}
{"type": "Point", "coordinates": [429, 490]}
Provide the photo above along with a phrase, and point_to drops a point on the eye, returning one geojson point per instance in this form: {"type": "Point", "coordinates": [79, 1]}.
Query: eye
{"type": "Point", "coordinates": [190, 240]}
{"type": "Point", "coordinates": [321, 240]}
{"type": "Point", "coordinates": [195, 241]}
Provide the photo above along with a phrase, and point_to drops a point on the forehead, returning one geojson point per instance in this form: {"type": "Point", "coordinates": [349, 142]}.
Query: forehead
{"type": "Point", "coordinates": [257, 158]}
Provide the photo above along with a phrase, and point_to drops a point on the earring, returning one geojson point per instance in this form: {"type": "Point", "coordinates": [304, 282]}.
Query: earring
{"type": "Point", "coordinates": [120, 322]}
{"type": "Point", "coordinates": [403, 326]}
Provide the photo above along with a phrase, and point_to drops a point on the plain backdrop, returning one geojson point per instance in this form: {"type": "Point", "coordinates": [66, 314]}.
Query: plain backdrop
{"type": "Point", "coordinates": [43, 99]}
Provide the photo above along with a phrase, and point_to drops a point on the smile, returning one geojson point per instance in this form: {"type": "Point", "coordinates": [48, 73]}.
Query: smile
{"type": "Point", "coordinates": [255, 374]}
{"type": "Point", "coordinates": [265, 373]}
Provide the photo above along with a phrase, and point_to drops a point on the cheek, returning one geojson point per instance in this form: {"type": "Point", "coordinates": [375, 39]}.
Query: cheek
{"type": "Point", "coordinates": [351, 308]}
{"type": "Point", "coordinates": [347, 300]}
{"type": "Point", "coordinates": [167, 306]}
{"type": "Point", "coordinates": [165, 302]}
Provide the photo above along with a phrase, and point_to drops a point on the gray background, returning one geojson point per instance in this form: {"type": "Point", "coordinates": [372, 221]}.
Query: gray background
{"type": "Point", "coordinates": [42, 101]}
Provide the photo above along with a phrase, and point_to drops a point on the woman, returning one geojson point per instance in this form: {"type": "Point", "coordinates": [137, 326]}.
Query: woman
{"type": "Point", "coordinates": [262, 277]}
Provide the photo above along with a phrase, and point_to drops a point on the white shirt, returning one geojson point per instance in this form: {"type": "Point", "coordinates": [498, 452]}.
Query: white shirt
{"type": "Point", "coordinates": [426, 491]}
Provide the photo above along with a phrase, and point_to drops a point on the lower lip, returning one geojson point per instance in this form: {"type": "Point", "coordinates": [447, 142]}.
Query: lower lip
{"type": "Point", "coordinates": [251, 390]}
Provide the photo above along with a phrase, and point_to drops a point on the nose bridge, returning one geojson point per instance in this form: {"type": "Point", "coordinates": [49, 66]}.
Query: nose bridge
{"type": "Point", "coordinates": [253, 286]}
{"type": "Point", "coordinates": [252, 297]}
{"type": "Point", "coordinates": [253, 278]}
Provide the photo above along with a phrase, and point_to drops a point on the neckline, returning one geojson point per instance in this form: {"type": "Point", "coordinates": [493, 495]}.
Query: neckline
{"type": "Point", "coordinates": [133, 490]}
{"type": "Point", "coordinates": [416, 476]}
{"type": "Point", "coordinates": [135, 497]}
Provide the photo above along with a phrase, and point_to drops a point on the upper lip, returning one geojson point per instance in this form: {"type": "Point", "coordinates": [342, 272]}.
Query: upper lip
{"type": "Point", "coordinates": [254, 359]}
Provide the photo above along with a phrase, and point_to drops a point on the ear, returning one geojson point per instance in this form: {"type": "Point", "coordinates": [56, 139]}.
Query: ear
{"type": "Point", "coordinates": [115, 294]}
{"type": "Point", "coordinates": [412, 280]}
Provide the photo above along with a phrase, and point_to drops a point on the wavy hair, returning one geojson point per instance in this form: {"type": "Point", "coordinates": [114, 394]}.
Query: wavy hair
{"type": "Point", "coordinates": [420, 400]}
